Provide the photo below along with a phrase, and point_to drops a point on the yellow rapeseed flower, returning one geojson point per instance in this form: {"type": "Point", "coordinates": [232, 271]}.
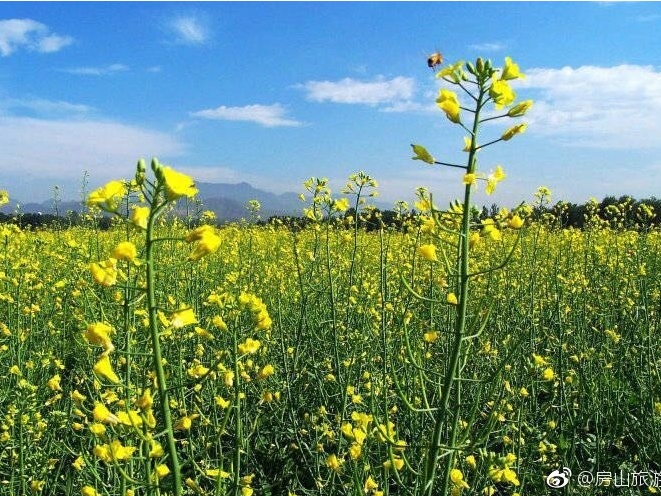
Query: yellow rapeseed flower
{"type": "Point", "coordinates": [77, 397]}
{"type": "Point", "coordinates": [334, 463]}
{"type": "Point", "coordinates": [186, 422]}
{"type": "Point", "coordinates": [249, 346]}
{"type": "Point", "coordinates": [114, 451]}
{"type": "Point", "coordinates": [125, 251]}
{"type": "Point", "coordinates": [370, 485]}
{"type": "Point", "coordinates": [98, 334]}
{"type": "Point", "coordinates": [177, 184]}
{"type": "Point", "coordinates": [448, 102]}
{"type": "Point", "coordinates": [140, 217]}
{"type": "Point", "coordinates": [54, 383]}
{"type": "Point", "coordinates": [452, 299]}
{"type": "Point", "coordinates": [515, 222]}
{"type": "Point", "coordinates": [97, 429]}
{"type": "Point", "coordinates": [469, 179]}
{"type": "Point", "coordinates": [216, 473]}
{"type": "Point", "coordinates": [131, 418]}
{"type": "Point", "coordinates": [145, 401]}
{"type": "Point", "coordinates": [511, 70]}
{"type": "Point", "coordinates": [208, 243]}
{"type": "Point", "coordinates": [428, 252]}
{"type": "Point", "coordinates": [182, 318]}
{"type": "Point", "coordinates": [108, 196]}
{"type": "Point", "coordinates": [548, 374]}
{"type": "Point", "coordinates": [501, 93]}
{"type": "Point", "coordinates": [161, 471]}
{"type": "Point", "coordinates": [457, 478]}
{"type": "Point", "coordinates": [88, 491]}
{"type": "Point", "coordinates": [103, 415]}
{"type": "Point", "coordinates": [104, 273]}
{"type": "Point", "coordinates": [104, 369]}
{"type": "Point", "coordinates": [520, 109]}
{"type": "Point", "coordinates": [78, 463]}
{"type": "Point", "coordinates": [266, 371]}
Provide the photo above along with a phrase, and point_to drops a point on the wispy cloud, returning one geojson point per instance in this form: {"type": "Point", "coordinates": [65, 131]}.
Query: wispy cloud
{"type": "Point", "coordinates": [189, 30]}
{"type": "Point", "coordinates": [44, 107]}
{"type": "Point", "coordinates": [31, 35]}
{"type": "Point", "coordinates": [647, 18]}
{"type": "Point", "coordinates": [68, 147]}
{"type": "Point", "coordinates": [97, 70]}
{"type": "Point", "coordinates": [604, 107]}
{"type": "Point", "coordinates": [488, 47]}
{"type": "Point", "coordinates": [265, 115]}
{"type": "Point", "coordinates": [352, 91]}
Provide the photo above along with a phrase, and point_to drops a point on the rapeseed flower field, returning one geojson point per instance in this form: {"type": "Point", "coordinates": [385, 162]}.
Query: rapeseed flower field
{"type": "Point", "coordinates": [442, 355]}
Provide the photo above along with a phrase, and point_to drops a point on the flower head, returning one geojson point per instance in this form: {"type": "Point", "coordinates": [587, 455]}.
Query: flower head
{"type": "Point", "coordinates": [114, 451]}
{"type": "Point", "coordinates": [428, 252]}
{"type": "Point", "coordinates": [125, 251]}
{"type": "Point", "coordinates": [99, 334]}
{"type": "Point", "coordinates": [177, 184]}
{"type": "Point", "coordinates": [104, 273]}
{"type": "Point", "coordinates": [502, 93]}
{"type": "Point", "coordinates": [108, 196]}
{"type": "Point", "coordinates": [494, 178]}
{"type": "Point", "coordinates": [457, 478]}
{"type": "Point", "coordinates": [182, 318]}
{"type": "Point", "coordinates": [104, 369]}
{"type": "Point", "coordinates": [511, 70]}
{"type": "Point", "coordinates": [448, 102]}
{"type": "Point", "coordinates": [208, 243]}
{"type": "Point", "coordinates": [140, 217]}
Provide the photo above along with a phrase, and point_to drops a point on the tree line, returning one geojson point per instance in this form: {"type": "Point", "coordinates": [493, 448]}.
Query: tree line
{"type": "Point", "coordinates": [625, 212]}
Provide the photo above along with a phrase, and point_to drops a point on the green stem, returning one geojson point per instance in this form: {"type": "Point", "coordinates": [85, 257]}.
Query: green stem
{"type": "Point", "coordinates": [460, 323]}
{"type": "Point", "coordinates": [238, 434]}
{"type": "Point", "coordinates": [156, 348]}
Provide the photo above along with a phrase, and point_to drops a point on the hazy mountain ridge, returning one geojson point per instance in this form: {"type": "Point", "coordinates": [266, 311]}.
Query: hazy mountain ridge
{"type": "Point", "coordinates": [228, 201]}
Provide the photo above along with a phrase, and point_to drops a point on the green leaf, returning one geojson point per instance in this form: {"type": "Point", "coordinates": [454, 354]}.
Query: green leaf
{"type": "Point", "coordinates": [421, 153]}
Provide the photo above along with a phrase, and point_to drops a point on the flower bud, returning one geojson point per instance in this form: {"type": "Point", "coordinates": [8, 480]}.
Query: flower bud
{"type": "Point", "coordinates": [140, 172]}
{"type": "Point", "coordinates": [157, 168]}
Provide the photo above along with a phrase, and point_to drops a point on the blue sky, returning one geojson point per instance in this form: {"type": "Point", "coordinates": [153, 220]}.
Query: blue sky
{"type": "Point", "coordinates": [274, 93]}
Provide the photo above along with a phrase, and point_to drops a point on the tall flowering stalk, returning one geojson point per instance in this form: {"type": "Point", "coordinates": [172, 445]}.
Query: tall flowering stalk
{"type": "Point", "coordinates": [482, 84]}
{"type": "Point", "coordinates": [159, 194]}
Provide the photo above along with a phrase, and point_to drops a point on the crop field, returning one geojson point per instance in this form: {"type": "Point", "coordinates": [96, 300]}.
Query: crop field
{"type": "Point", "coordinates": [338, 391]}
{"type": "Point", "coordinates": [439, 352]}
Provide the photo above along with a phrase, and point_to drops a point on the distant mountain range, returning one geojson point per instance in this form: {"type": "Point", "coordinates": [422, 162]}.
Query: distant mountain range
{"type": "Point", "coordinates": [227, 201]}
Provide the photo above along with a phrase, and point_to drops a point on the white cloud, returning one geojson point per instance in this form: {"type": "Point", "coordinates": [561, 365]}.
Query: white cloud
{"type": "Point", "coordinates": [488, 47]}
{"type": "Point", "coordinates": [29, 34]}
{"type": "Point", "coordinates": [42, 106]}
{"type": "Point", "coordinates": [603, 107]}
{"type": "Point", "coordinates": [97, 71]}
{"type": "Point", "coordinates": [39, 154]}
{"type": "Point", "coordinates": [189, 30]}
{"type": "Point", "coordinates": [647, 18]}
{"type": "Point", "coordinates": [265, 115]}
{"type": "Point", "coordinates": [348, 90]}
